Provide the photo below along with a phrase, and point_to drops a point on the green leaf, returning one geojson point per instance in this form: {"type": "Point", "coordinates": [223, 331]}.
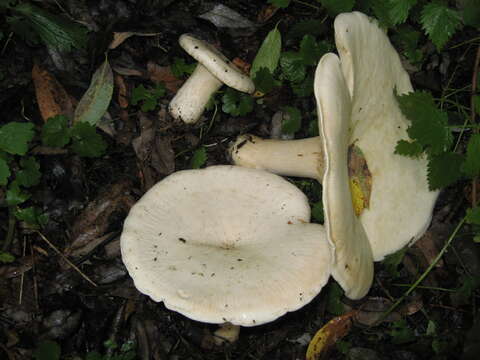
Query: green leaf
{"type": "Point", "coordinates": [15, 195]}
{"type": "Point", "coordinates": [148, 97]}
{"type": "Point", "coordinates": [444, 170]}
{"type": "Point", "coordinates": [55, 132]}
{"type": "Point", "coordinates": [304, 88]}
{"type": "Point", "coordinates": [293, 67]}
{"type": "Point", "coordinates": [29, 175]}
{"type": "Point", "coordinates": [473, 215]}
{"type": "Point", "coordinates": [179, 67]}
{"type": "Point", "coordinates": [47, 350]}
{"type": "Point", "coordinates": [335, 7]}
{"type": "Point", "coordinates": [471, 166]}
{"type": "Point", "coordinates": [399, 10]}
{"type": "Point", "coordinates": [310, 51]}
{"type": "Point", "coordinates": [401, 333]}
{"type": "Point", "coordinates": [236, 103]}
{"type": "Point", "coordinates": [94, 103]}
{"type": "Point", "coordinates": [55, 31]}
{"type": "Point", "coordinates": [6, 257]}
{"type": "Point", "coordinates": [4, 172]}
{"type": "Point", "coordinates": [312, 27]}
{"type": "Point", "coordinates": [439, 22]}
{"type": "Point", "coordinates": [14, 137]}
{"type": "Point", "coordinates": [282, 4]}
{"type": "Point", "coordinates": [292, 120]}
{"type": "Point", "coordinates": [409, 148]}
{"type": "Point", "coordinates": [264, 81]}
{"type": "Point", "coordinates": [392, 261]}
{"type": "Point", "coordinates": [470, 11]}
{"type": "Point", "coordinates": [33, 216]}
{"type": "Point", "coordinates": [268, 54]}
{"type": "Point", "coordinates": [381, 9]}
{"type": "Point", "coordinates": [334, 299]}
{"type": "Point", "coordinates": [317, 212]}
{"type": "Point", "coordinates": [408, 39]}
{"type": "Point", "coordinates": [86, 141]}
{"type": "Point", "coordinates": [199, 158]}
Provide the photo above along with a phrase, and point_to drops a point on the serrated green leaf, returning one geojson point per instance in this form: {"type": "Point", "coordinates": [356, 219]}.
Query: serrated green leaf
{"type": "Point", "coordinates": [55, 132]}
{"type": "Point", "coordinates": [313, 27]}
{"type": "Point", "coordinates": [33, 216]}
{"type": "Point", "coordinates": [407, 148]}
{"type": "Point", "coordinates": [310, 51]}
{"type": "Point", "coordinates": [408, 39]}
{"type": "Point", "coordinates": [236, 103]}
{"type": "Point", "coordinates": [417, 104]}
{"type": "Point", "coordinates": [303, 88]}
{"type": "Point", "coordinates": [335, 7]}
{"type": "Point", "coordinates": [148, 97]}
{"type": "Point", "coordinates": [381, 9]}
{"type": "Point", "coordinates": [473, 215]}
{"type": "Point", "coordinates": [471, 166]}
{"type": "Point", "coordinates": [94, 103]}
{"type": "Point", "coordinates": [14, 137]}
{"type": "Point", "coordinates": [55, 31]}
{"type": "Point", "coordinates": [264, 81]}
{"type": "Point", "coordinates": [6, 257]}
{"type": "Point", "coordinates": [30, 174]}
{"type": "Point", "coordinates": [439, 22]}
{"type": "Point", "coordinates": [199, 158]}
{"type": "Point", "coordinates": [444, 170]}
{"type": "Point", "coordinates": [268, 54]}
{"type": "Point", "coordinates": [15, 195]}
{"type": "Point", "coordinates": [47, 350]}
{"type": "Point", "coordinates": [4, 172]}
{"type": "Point", "coordinates": [292, 120]}
{"type": "Point", "coordinates": [282, 4]}
{"type": "Point", "coordinates": [179, 67]}
{"type": "Point", "coordinates": [86, 141]}
{"type": "Point", "coordinates": [293, 68]}
{"type": "Point", "coordinates": [399, 10]}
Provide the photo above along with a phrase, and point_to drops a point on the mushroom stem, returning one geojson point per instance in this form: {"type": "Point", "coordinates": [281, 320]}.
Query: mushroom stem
{"type": "Point", "coordinates": [191, 99]}
{"type": "Point", "coordinates": [301, 158]}
{"type": "Point", "coordinates": [226, 333]}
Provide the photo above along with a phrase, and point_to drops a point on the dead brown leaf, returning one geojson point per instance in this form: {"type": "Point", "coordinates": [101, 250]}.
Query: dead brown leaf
{"type": "Point", "coordinates": [242, 65]}
{"type": "Point", "coordinates": [122, 92]}
{"type": "Point", "coordinates": [120, 37]}
{"type": "Point", "coordinates": [266, 13]}
{"type": "Point", "coordinates": [52, 98]}
{"type": "Point", "coordinates": [372, 310]}
{"type": "Point", "coordinates": [163, 74]}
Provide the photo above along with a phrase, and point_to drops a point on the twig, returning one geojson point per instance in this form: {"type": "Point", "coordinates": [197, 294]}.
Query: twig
{"type": "Point", "coordinates": [65, 259]}
{"type": "Point", "coordinates": [34, 272]}
{"type": "Point", "coordinates": [22, 278]}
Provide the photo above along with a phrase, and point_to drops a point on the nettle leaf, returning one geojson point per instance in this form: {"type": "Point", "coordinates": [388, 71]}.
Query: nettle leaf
{"type": "Point", "coordinates": [264, 81]}
{"type": "Point", "coordinates": [94, 103]}
{"type": "Point", "coordinates": [15, 195]}
{"type": "Point", "coordinates": [473, 215]}
{"type": "Point", "coordinates": [55, 31]}
{"type": "Point", "coordinates": [293, 67]}
{"type": "Point", "coordinates": [292, 120]}
{"type": "Point", "coordinates": [408, 39]}
{"type": "Point", "coordinates": [180, 67]}
{"type": "Point", "coordinates": [381, 10]}
{"type": "Point", "coordinates": [444, 170]}
{"type": "Point", "coordinates": [55, 132]}
{"type": "Point", "coordinates": [14, 137]}
{"type": "Point", "coordinates": [33, 216]}
{"type": "Point", "coordinates": [310, 51]}
{"type": "Point", "coordinates": [30, 174]}
{"type": "Point", "coordinates": [335, 7]}
{"type": "Point", "coordinates": [148, 97]}
{"type": "Point", "coordinates": [409, 148]}
{"type": "Point", "coordinates": [282, 4]}
{"type": "Point", "coordinates": [269, 53]}
{"type": "Point", "coordinates": [303, 88]}
{"type": "Point", "coordinates": [4, 172]}
{"type": "Point", "coordinates": [399, 10]}
{"type": "Point", "coordinates": [199, 158]}
{"type": "Point", "coordinates": [439, 22]}
{"type": "Point", "coordinates": [86, 141]}
{"type": "Point", "coordinates": [236, 103]}
{"type": "Point", "coordinates": [471, 166]}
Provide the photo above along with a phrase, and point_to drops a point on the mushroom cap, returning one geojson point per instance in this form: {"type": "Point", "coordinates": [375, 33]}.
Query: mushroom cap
{"type": "Point", "coordinates": [218, 65]}
{"type": "Point", "coordinates": [401, 203]}
{"type": "Point", "coordinates": [353, 261]}
{"type": "Point", "coordinates": [226, 244]}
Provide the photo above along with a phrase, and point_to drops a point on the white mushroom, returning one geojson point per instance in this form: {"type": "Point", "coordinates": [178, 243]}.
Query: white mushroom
{"type": "Point", "coordinates": [212, 71]}
{"type": "Point", "coordinates": [226, 244]}
{"type": "Point", "coordinates": [394, 203]}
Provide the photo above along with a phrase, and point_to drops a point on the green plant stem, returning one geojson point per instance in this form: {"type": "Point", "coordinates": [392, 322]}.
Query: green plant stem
{"type": "Point", "coordinates": [427, 287]}
{"type": "Point", "coordinates": [304, 3]}
{"type": "Point", "coordinates": [11, 228]}
{"type": "Point", "coordinates": [475, 39]}
{"type": "Point", "coordinates": [425, 273]}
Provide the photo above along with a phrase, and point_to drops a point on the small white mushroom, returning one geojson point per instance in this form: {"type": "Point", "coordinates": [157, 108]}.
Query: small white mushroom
{"type": "Point", "coordinates": [212, 71]}
{"type": "Point", "coordinates": [226, 244]}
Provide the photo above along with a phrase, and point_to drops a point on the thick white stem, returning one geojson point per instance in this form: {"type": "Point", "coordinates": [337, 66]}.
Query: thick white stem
{"type": "Point", "coordinates": [301, 158]}
{"type": "Point", "coordinates": [226, 333]}
{"type": "Point", "coordinates": [190, 100]}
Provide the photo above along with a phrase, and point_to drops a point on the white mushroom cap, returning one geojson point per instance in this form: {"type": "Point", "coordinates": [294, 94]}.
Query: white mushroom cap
{"type": "Point", "coordinates": [212, 71]}
{"type": "Point", "coordinates": [226, 244]}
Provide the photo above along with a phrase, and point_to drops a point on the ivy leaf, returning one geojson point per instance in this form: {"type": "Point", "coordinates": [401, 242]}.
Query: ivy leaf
{"type": "Point", "coordinates": [335, 7]}
{"type": "Point", "coordinates": [269, 53]}
{"type": "Point", "coordinates": [14, 137]}
{"type": "Point", "coordinates": [15, 195]}
{"type": "Point", "coordinates": [282, 4]}
{"type": "Point", "coordinates": [180, 67]}
{"type": "Point", "coordinates": [439, 22]}
{"type": "Point", "coordinates": [399, 10]}
{"type": "Point", "coordinates": [471, 166]}
{"type": "Point", "coordinates": [55, 132]}
{"type": "Point", "coordinates": [29, 175]}
{"type": "Point", "coordinates": [4, 172]}
{"type": "Point", "coordinates": [264, 81]}
{"type": "Point", "coordinates": [444, 170]}
{"type": "Point", "coordinates": [199, 158]}
{"type": "Point", "coordinates": [473, 215]}
{"type": "Point", "coordinates": [86, 141]}
{"type": "Point", "coordinates": [293, 67]}
{"type": "Point", "coordinates": [33, 216]}
{"type": "Point", "coordinates": [409, 148]}
{"type": "Point", "coordinates": [236, 103]}
{"type": "Point", "coordinates": [292, 120]}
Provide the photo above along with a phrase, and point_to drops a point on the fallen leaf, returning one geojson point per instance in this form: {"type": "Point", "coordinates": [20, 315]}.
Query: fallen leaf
{"type": "Point", "coordinates": [52, 98]}
{"type": "Point", "coordinates": [128, 72]}
{"type": "Point", "coordinates": [163, 74]}
{"type": "Point", "coordinates": [223, 16]}
{"type": "Point", "coordinates": [328, 335]}
{"type": "Point", "coordinates": [163, 156]}
{"type": "Point", "coordinates": [372, 310]}
{"type": "Point", "coordinates": [120, 37]}
{"type": "Point", "coordinates": [242, 65]}
{"type": "Point", "coordinates": [266, 13]}
{"type": "Point", "coordinates": [122, 95]}
{"type": "Point", "coordinates": [94, 103]}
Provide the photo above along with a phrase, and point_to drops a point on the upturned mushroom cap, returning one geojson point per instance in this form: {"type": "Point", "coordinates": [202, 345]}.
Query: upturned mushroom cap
{"type": "Point", "coordinates": [226, 244]}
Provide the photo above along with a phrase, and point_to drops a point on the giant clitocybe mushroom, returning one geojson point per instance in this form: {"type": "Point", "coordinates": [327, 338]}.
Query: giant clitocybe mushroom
{"type": "Point", "coordinates": [212, 71]}
{"type": "Point", "coordinates": [391, 196]}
